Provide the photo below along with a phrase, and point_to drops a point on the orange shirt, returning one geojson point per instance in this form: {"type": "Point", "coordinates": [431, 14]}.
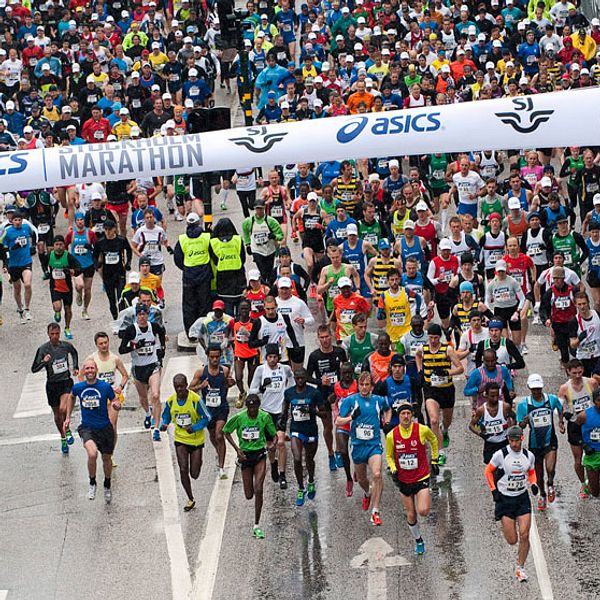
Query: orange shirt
{"type": "Point", "coordinates": [241, 335]}
{"type": "Point", "coordinates": [355, 99]}
{"type": "Point", "coordinates": [345, 309]}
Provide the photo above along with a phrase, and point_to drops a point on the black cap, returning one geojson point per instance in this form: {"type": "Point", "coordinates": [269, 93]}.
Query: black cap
{"type": "Point", "coordinates": [259, 203]}
{"type": "Point", "coordinates": [141, 308]}
{"type": "Point", "coordinates": [284, 250]}
{"type": "Point", "coordinates": [109, 224]}
{"type": "Point", "coordinates": [144, 261]}
{"type": "Point", "coordinates": [434, 329]}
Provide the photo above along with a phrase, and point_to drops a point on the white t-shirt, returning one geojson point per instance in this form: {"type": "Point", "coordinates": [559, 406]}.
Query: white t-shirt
{"type": "Point", "coordinates": [467, 185]}
{"type": "Point", "coordinates": [294, 307]}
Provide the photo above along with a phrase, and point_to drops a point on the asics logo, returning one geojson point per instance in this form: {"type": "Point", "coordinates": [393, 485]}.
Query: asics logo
{"type": "Point", "coordinates": [258, 140]}
{"type": "Point", "coordinates": [351, 130]}
{"type": "Point", "coordinates": [526, 120]}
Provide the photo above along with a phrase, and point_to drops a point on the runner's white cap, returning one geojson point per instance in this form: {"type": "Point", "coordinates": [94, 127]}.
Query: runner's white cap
{"type": "Point", "coordinates": [535, 381]}
{"type": "Point", "coordinates": [421, 206]}
{"type": "Point", "coordinates": [545, 182]}
{"type": "Point", "coordinates": [523, 81]}
{"type": "Point", "coordinates": [501, 266]}
{"type": "Point", "coordinates": [497, 44]}
{"type": "Point", "coordinates": [405, 56]}
{"type": "Point", "coordinates": [445, 244]}
{"type": "Point", "coordinates": [596, 199]}
{"type": "Point", "coordinates": [489, 65]}
{"type": "Point", "coordinates": [254, 275]}
{"type": "Point", "coordinates": [514, 203]}
{"type": "Point", "coordinates": [361, 20]}
{"type": "Point", "coordinates": [134, 277]}
{"type": "Point", "coordinates": [193, 73]}
{"type": "Point", "coordinates": [445, 69]}
{"type": "Point", "coordinates": [344, 282]}
{"type": "Point", "coordinates": [595, 22]}
{"type": "Point", "coordinates": [284, 282]}
{"type": "Point", "coordinates": [393, 163]}
{"type": "Point", "coordinates": [193, 218]}
{"type": "Point", "coordinates": [408, 224]}
{"type": "Point", "coordinates": [460, 51]}
{"type": "Point", "coordinates": [352, 229]}
{"type": "Point", "coordinates": [314, 196]}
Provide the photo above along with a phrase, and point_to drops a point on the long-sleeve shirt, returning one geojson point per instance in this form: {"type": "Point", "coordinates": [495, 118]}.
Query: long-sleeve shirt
{"type": "Point", "coordinates": [63, 360]}
{"type": "Point", "coordinates": [474, 382]}
{"type": "Point", "coordinates": [426, 435]}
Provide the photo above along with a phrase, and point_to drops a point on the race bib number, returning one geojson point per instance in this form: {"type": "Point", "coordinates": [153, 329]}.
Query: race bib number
{"type": "Point", "coordinates": [543, 420]}
{"type": "Point", "coordinates": [364, 432]}
{"type": "Point", "coordinates": [439, 380]}
{"type": "Point", "coordinates": [194, 91]}
{"type": "Point", "coordinates": [213, 398]}
{"type": "Point", "coordinates": [60, 366]}
{"type": "Point", "coordinates": [495, 256]}
{"type": "Point", "coordinates": [595, 260]}
{"type": "Point", "coordinates": [568, 258]}
{"type": "Point", "coordinates": [183, 419]}
{"type": "Point", "coordinates": [346, 316]}
{"type": "Point", "coordinates": [98, 135]}
{"type": "Point", "coordinates": [383, 282]}
{"type": "Point", "coordinates": [151, 247]}
{"type": "Point", "coordinates": [562, 303]}
{"type": "Point", "coordinates": [58, 274]}
{"type": "Point", "coordinates": [277, 211]}
{"type": "Point", "coordinates": [515, 483]}
{"type": "Point", "coordinates": [136, 103]}
{"type": "Point", "coordinates": [242, 335]}
{"type": "Point", "coordinates": [494, 428]}
{"type": "Point", "coordinates": [581, 404]}
{"type": "Point", "coordinates": [174, 77]}
{"type": "Point", "coordinates": [21, 241]}
{"type": "Point", "coordinates": [595, 434]}
{"type": "Point", "coordinates": [300, 414]}
{"type": "Point", "coordinates": [80, 250]}
{"type": "Point", "coordinates": [261, 238]}
{"type": "Point", "coordinates": [535, 250]}
{"type": "Point", "coordinates": [145, 350]}
{"type": "Point", "coordinates": [276, 384]}
{"type": "Point", "coordinates": [98, 228]}
{"type": "Point", "coordinates": [250, 434]}
{"type": "Point", "coordinates": [43, 227]}
{"type": "Point", "coordinates": [333, 291]}
{"type": "Point", "coordinates": [111, 258]}
{"type": "Point", "coordinates": [502, 296]}
{"type": "Point", "coordinates": [397, 319]}
{"type": "Point", "coordinates": [408, 462]}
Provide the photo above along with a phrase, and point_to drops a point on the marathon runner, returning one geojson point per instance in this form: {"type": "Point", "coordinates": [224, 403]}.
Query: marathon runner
{"type": "Point", "coordinates": [589, 419]}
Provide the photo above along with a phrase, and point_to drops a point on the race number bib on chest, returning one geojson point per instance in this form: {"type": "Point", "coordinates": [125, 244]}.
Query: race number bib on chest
{"type": "Point", "coordinates": [364, 432]}
{"type": "Point", "coordinates": [60, 366]}
{"type": "Point", "coordinates": [183, 419]}
{"type": "Point", "coordinates": [250, 433]}
{"type": "Point", "coordinates": [542, 419]}
{"type": "Point", "coordinates": [408, 462]}
{"type": "Point", "coordinates": [213, 398]}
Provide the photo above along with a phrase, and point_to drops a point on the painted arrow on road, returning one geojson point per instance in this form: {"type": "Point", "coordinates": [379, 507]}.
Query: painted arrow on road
{"type": "Point", "coordinates": [374, 556]}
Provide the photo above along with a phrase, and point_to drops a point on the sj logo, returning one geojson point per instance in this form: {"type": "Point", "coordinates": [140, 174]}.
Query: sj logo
{"type": "Point", "coordinates": [258, 140]}
{"type": "Point", "coordinates": [525, 119]}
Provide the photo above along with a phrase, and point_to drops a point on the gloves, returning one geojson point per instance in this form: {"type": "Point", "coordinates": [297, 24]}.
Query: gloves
{"type": "Point", "coordinates": [496, 495]}
{"type": "Point", "coordinates": [387, 427]}
{"type": "Point", "coordinates": [128, 266]}
{"type": "Point", "coordinates": [435, 468]}
{"type": "Point", "coordinates": [160, 353]}
{"type": "Point", "coordinates": [391, 473]}
{"type": "Point", "coordinates": [535, 490]}
{"type": "Point", "coordinates": [582, 335]}
{"type": "Point", "coordinates": [248, 251]}
{"type": "Point", "coordinates": [355, 413]}
{"type": "Point", "coordinates": [32, 251]}
{"type": "Point", "coordinates": [567, 415]}
{"type": "Point", "coordinates": [265, 340]}
{"type": "Point", "coordinates": [271, 236]}
{"type": "Point", "coordinates": [170, 250]}
{"type": "Point", "coordinates": [265, 384]}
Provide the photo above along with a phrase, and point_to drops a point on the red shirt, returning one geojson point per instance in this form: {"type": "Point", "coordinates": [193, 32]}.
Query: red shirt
{"type": "Point", "coordinates": [518, 267]}
{"type": "Point", "coordinates": [94, 132]}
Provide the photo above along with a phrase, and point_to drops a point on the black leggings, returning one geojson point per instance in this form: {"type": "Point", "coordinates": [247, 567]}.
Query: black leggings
{"type": "Point", "coordinates": [247, 201]}
{"type": "Point", "coordinates": [113, 286]}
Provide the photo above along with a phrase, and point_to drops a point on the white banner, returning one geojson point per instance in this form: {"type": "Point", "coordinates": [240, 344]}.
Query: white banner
{"type": "Point", "coordinates": [538, 121]}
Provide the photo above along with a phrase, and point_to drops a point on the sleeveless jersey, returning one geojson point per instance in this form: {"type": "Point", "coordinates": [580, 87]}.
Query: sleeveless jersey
{"type": "Point", "coordinates": [436, 360]}
{"type": "Point", "coordinates": [410, 456]}
{"type": "Point", "coordinates": [495, 427]}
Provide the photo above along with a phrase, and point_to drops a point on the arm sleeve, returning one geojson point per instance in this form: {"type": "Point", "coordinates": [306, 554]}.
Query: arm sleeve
{"type": "Point", "coordinates": [389, 451]}
{"type": "Point", "coordinates": [128, 335]}
{"type": "Point", "coordinates": [203, 422]}
{"type": "Point", "coordinates": [489, 476]}
{"type": "Point", "coordinates": [518, 361]}
{"type": "Point", "coordinates": [38, 364]}
{"type": "Point", "coordinates": [473, 383]}
{"type": "Point", "coordinates": [166, 414]}
{"type": "Point", "coordinates": [432, 439]}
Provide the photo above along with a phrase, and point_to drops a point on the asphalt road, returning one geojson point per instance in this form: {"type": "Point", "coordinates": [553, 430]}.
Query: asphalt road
{"type": "Point", "coordinates": [57, 544]}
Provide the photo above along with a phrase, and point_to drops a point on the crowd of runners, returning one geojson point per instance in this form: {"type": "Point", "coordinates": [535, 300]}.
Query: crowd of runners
{"type": "Point", "coordinates": [415, 271]}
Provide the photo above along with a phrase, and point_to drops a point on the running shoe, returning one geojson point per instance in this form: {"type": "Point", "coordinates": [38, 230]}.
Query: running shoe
{"type": "Point", "coordinates": [156, 435]}
{"type": "Point", "coordinates": [282, 481]}
{"type": "Point", "coordinates": [64, 446]}
{"type": "Point", "coordinates": [311, 490]}
{"type": "Point", "coordinates": [339, 461]}
{"type": "Point", "coordinates": [521, 574]}
{"type": "Point", "coordinates": [84, 315]}
{"type": "Point", "coordinates": [147, 422]}
{"type": "Point", "coordinates": [241, 399]}
{"type": "Point", "coordinates": [189, 505]}
{"type": "Point", "coordinates": [442, 459]}
{"type": "Point", "coordinates": [1, 320]}
{"type": "Point", "coordinates": [332, 463]}
{"type": "Point", "coordinates": [584, 492]}
{"type": "Point", "coordinates": [420, 547]}
{"type": "Point", "coordinates": [375, 518]}
{"type": "Point", "coordinates": [27, 314]}
{"type": "Point", "coordinates": [114, 464]}
{"type": "Point", "coordinates": [57, 317]}
{"type": "Point", "coordinates": [107, 495]}
{"type": "Point", "coordinates": [21, 317]}
{"type": "Point", "coordinates": [222, 473]}
{"type": "Point", "coordinates": [223, 206]}
{"type": "Point", "coordinates": [70, 438]}
{"type": "Point", "coordinates": [554, 346]}
{"type": "Point", "coordinates": [366, 502]}
{"type": "Point", "coordinates": [78, 299]}
{"type": "Point", "coordinates": [91, 491]}
{"type": "Point", "coordinates": [536, 319]}
{"type": "Point", "coordinates": [68, 334]}
{"type": "Point", "coordinates": [542, 504]}
{"type": "Point", "coordinates": [45, 276]}
{"type": "Point", "coordinates": [178, 216]}
{"type": "Point", "coordinates": [551, 494]}
{"type": "Point", "coordinates": [300, 497]}
{"type": "Point", "coordinates": [275, 471]}
{"type": "Point", "coordinates": [524, 349]}
{"type": "Point", "coordinates": [446, 438]}
{"type": "Point", "coordinates": [258, 533]}
{"type": "Point", "coordinates": [349, 488]}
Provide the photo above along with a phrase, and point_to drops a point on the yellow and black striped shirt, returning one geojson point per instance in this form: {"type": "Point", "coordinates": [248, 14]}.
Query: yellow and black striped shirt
{"type": "Point", "coordinates": [436, 360]}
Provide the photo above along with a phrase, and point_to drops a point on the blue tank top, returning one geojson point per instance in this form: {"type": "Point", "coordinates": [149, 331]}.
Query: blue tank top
{"type": "Point", "coordinates": [81, 248]}
{"type": "Point", "coordinates": [552, 217]}
{"type": "Point", "coordinates": [215, 394]}
{"type": "Point", "coordinates": [397, 394]}
{"type": "Point", "coordinates": [590, 430]}
{"type": "Point", "coordinates": [522, 198]}
{"type": "Point", "coordinates": [594, 257]}
{"type": "Point", "coordinates": [355, 257]}
{"type": "Point", "coordinates": [416, 251]}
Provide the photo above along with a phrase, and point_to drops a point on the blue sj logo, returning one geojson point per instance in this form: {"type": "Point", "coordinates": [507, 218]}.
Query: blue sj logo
{"type": "Point", "coordinates": [405, 123]}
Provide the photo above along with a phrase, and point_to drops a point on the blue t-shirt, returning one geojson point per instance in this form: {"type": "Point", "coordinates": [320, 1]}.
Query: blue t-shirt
{"type": "Point", "coordinates": [18, 244]}
{"type": "Point", "coordinates": [137, 216]}
{"type": "Point", "coordinates": [365, 429]}
{"type": "Point", "coordinates": [93, 399]}
{"type": "Point", "coordinates": [303, 407]}
{"type": "Point", "coordinates": [541, 419]}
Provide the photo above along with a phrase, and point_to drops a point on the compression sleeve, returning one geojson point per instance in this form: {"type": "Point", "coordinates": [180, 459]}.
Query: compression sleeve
{"type": "Point", "coordinates": [428, 435]}
{"type": "Point", "coordinates": [389, 451]}
{"type": "Point", "coordinates": [489, 475]}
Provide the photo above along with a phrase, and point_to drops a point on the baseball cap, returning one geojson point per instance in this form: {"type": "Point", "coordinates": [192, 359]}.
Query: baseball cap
{"type": "Point", "coordinates": [596, 199]}
{"type": "Point", "coordinates": [445, 244]}
{"type": "Point", "coordinates": [285, 282]}
{"type": "Point", "coordinates": [71, 126]}
{"type": "Point", "coordinates": [535, 381]}
{"type": "Point", "coordinates": [466, 286]}
{"type": "Point", "coordinates": [352, 229]}
{"type": "Point", "coordinates": [409, 224]}
{"type": "Point", "coordinates": [514, 203]}
{"type": "Point", "coordinates": [495, 324]}
{"type": "Point", "coordinates": [384, 244]}
{"type": "Point", "coordinates": [313, 197]}
{"type": "Point", "coordinates": [254, 275]}
{"type": "Point", "coordinates": [96, 196]}
{"type": "Point", "coordinates": [344, 282]}
{"type": "Point", "coordinates": [259, 203]}
{"type": "Point", "coordinates": [10, 105]}
{"type": "Point", "coordinates": [144, 261]}
{"type": "Point", "coordinates": [284, 251]}
{"type": "Point", "coordinates": [193, 218]}
{"type": "Point", "coordinates": [193, 73]}
{"type": "Point", "coordinates": [134, 277]}
{"type": "Point", "coordinates": [28, 129]}
{"type": "Point", "coordinates": [545, 182]}
{"type": "Point", "coordinates": [421, 206]}
{"type": "Point", "coordinates": [501, 265]}
{"type": "Point", "coordinates": [88, 79]}
{"type": "Point", "coordinates": [141, 308]}
{"type": "Point", "coordinates": [65, 109]}
{"type": "Point", "coordinates": [218, 304]}
{"type": "Point", "coordinates": [514, 433]}
{"type": "Point", "coordinates": [532, 215]}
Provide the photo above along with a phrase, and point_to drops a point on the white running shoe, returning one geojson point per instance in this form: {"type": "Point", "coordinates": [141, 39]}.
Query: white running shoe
{"type": "Point", "coordinates": [91, 491]}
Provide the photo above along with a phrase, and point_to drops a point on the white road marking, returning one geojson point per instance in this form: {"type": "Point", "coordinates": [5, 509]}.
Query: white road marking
{"type": "Point", "coordinates": [3, 594]}
{"type": "Point", "coordinates": [373, 556]}
{"type": "Point", "coordinates": [210, 547]}
{"type": "Point", "coordinates": [541, 568]}
{"type": "Point", "coordinates": [49, 437]}
{"type": "Point", "coordinates": [33, 401]}
{"type": "Point", "coordinates": [181, 582]}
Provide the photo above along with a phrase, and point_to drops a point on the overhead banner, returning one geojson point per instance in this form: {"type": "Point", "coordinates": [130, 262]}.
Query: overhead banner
{"type": "Point", "coordinates": [539, 121]}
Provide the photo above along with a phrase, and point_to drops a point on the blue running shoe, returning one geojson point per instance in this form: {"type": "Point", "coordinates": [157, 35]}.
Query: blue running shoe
{"type": "Point", "coordinates": [420, 547]}
{"type": "Point", "coordinates": [332, 463]}
{"type": "Point", "coordinates": [147, 422]}
{"type": "Point", "coordinates": [339, 461]}
{"type": "Point", "coordinates": [156, 435]}
{"type": "Point", "coordinates": [300, 498]}
{"type": "Point", "coordinates": [64, 447]}
{"type": "Point", "coordinates": [70, 438]}
{"type": "Point", "coordinates": [311, 490]}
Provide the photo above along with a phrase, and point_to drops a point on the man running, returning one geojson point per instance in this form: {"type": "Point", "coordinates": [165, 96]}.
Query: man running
{"type": "Point", "coordinates": [96, 430]}
{"type": "Point", "coordinates": [60, 360]}
{"type": "Point", "coordinates": [406, 454]}
{"type": "Point", "coordinates": [589, 419]}
{"type": "Point", "coordinates": [146, 342]}
{"type": "Point", "coordinates": [213, 381]}
{"type": "Point", "coordinates": [364, 412]}
{"type": "Point", "coordinates": [512, 505]}
{"type": "Point", "coordinates": [302, 402]}
{"type": "Point", "coordinates": [537, 412]}
{"type": "Point", "coordinates": [255, 437]}
{"type": "Point", "coordinates": [186, 410]}
{"type": "Point", "coordinates": [576, 396]}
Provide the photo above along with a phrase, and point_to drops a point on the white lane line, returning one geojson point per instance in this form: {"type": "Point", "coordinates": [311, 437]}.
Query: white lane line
{"type": "Point", "coordinates": [181, 582]}
{"type": "Point", "coordinates": [210, 547]}
{"type": "Point", "coordinates": [49, 437]}
{"type": "Point", "coordinates": [33, 401]}
{"type": "Point", "coordinates": [3, 594]}
{"type": "Point", "coordinates": [541, 568]}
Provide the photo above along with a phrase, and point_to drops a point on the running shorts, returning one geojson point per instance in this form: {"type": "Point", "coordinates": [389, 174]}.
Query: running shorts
{"type": "Point", "coordinates": [512, 506]}
{"type": "Point", "coordinates": [361, 453]}
{"type": "Point", "coordinates": [56, 389]}
{"type": "Point", "coordinates": [103, 438]}
{"type": "Point", "coordinates": [445, 397]}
